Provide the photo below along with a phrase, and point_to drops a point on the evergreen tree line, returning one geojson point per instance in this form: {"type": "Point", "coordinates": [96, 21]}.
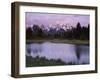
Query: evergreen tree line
{"type": "Point", "coordinates": [79, 33]}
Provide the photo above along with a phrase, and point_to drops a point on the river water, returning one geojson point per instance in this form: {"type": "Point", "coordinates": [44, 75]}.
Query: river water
{"type": "Point", "coordinates": [78, 54]}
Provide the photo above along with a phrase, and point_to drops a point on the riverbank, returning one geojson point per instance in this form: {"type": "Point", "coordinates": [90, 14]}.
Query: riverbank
{"type": "Point", "coordinates": [43, 61]}
{"type": "Point", "coordinates": [82, 42]}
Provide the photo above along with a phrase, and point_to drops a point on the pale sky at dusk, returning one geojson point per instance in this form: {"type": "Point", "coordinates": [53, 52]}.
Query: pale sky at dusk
{"type": "Point", "coordinates": [53, 19]}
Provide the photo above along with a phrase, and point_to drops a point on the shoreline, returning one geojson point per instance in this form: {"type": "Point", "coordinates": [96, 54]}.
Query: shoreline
{"type": "Point", "coordinates": [78, 42]}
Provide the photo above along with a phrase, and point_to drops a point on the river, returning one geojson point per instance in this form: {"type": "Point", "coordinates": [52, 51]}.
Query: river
{"type": "Point", "coordinates": [78, 54]}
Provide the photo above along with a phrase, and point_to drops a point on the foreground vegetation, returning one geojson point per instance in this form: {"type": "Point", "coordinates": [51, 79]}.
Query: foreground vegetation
{"type": "Point", "coordinates": [42, 61]}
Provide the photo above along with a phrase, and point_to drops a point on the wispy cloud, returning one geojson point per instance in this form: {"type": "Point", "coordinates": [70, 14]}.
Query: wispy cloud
{"type": "Point", "coordinates": [53, 19]}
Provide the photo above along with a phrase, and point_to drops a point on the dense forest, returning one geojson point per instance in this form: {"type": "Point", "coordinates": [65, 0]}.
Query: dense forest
{"type": "Point", "coordinates": [77, 32]}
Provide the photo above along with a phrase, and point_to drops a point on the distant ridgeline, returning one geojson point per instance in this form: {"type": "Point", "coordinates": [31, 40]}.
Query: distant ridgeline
{"type": "Point", "coordinates": [77, 32]}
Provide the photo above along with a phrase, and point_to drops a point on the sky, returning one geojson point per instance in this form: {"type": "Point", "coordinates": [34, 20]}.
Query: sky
{"type": "Point", "coordinates": [49, 19]}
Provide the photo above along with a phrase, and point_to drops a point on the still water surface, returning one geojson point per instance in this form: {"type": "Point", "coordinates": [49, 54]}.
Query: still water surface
{"type": "Point", "coordinates": [78, 54]}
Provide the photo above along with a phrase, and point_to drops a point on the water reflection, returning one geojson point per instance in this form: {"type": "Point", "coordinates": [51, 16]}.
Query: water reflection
{"type": "Point", "coordinates": [69, 53]}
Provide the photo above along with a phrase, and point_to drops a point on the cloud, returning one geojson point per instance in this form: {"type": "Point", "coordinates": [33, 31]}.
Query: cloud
{"type": "Point", "coordinates": [53, 19]}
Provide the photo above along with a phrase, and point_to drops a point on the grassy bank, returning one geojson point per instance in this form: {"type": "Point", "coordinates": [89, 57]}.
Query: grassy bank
{"type": "Point", "coordinates": [84, 42]}
{"type": "Point", "coordinates": [42, 61]}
